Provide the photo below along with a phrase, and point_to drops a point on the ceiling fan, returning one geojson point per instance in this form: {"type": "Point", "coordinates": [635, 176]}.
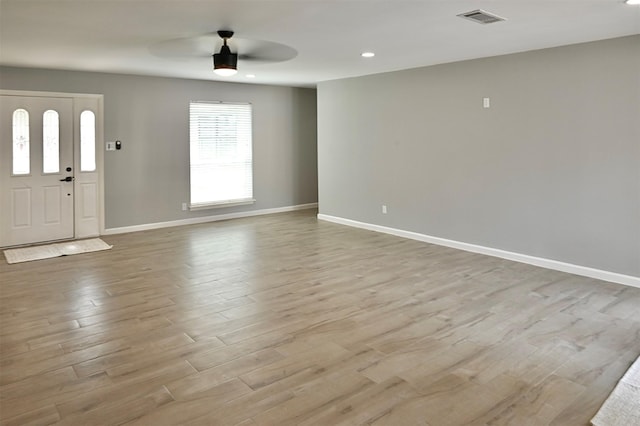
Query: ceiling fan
{"type": "Point", "coordinates": [225, 63]}
{"type": "Point", "coordinates": [232, 51]}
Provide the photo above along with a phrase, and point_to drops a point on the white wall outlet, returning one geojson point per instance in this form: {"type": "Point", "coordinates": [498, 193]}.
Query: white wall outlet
{"type": "Point", "coordinates": [486, 102]}
{"type": "Point", "coordinates": [184, 207]}
{"type": "Point", "coordinates": [384, 209]}
{"type": "Point", "coordinates": [111, 146]}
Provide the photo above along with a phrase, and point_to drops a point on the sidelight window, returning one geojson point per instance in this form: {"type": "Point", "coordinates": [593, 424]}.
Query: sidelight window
{"type": "Point", "coordinates": [87, 141]}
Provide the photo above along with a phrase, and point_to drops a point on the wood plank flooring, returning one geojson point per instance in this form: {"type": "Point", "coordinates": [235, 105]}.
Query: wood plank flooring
{"type": "Point", "coordinates": [284, 320]}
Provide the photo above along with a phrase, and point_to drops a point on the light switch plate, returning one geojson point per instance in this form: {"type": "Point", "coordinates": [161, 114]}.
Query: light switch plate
{"type": "Point", "coordinates": [111, 146]}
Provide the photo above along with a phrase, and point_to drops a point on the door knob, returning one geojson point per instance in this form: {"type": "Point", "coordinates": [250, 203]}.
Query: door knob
{"type": "Point", "coordinates": [67, 179]}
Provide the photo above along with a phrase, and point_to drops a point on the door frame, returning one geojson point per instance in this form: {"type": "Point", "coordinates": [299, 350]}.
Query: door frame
{"type": "Point", "coordinates": [78, 100]}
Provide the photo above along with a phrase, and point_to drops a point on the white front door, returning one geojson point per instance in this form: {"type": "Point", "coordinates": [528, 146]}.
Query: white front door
{"type": "Point", "coordinates": [36, 169]}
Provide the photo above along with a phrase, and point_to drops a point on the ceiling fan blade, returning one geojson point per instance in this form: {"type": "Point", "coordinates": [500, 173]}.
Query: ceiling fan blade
{"type": "Point", "coordinates": [266, 51]}
{"type": "Point", "coordinates": [255, 58]}
{"type": "Point", "coordinates": [204, 45]}
{"type": "Point", "coordinates": [187, 47]}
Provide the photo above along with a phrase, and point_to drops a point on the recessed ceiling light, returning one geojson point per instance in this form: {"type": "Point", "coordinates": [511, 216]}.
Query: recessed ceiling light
{"type": "Point", "coordinates": [251, 76]}
{"type": "Point", "coordinates": [368, 54]}
{"type": "Point", "coordinates": [633, 2]}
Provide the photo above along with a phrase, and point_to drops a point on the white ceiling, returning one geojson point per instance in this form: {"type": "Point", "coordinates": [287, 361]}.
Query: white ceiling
{"type": "Point", "coordinates": [125, 36]}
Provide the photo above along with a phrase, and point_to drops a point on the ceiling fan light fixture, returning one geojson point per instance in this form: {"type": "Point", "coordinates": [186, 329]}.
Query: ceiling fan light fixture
{"type": "Point", "coordinates": [225, 63]}
{"type": "Point", "coordinates": [225, 72]}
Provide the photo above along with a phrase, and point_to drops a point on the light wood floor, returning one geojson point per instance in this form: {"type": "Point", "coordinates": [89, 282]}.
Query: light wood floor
{"type": "Point", "coordinates": [282, 320]}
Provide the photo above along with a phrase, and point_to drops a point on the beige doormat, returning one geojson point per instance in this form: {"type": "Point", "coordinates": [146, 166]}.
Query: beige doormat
{"type": "Point", "coordinates": [27, 254]}
{"type": "Point", "coordinates": [622, 407]}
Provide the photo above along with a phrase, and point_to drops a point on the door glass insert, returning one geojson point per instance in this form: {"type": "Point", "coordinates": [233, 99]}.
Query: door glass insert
{"type": "Point", "coordinates": [21, 154]}
{"type": "Point", "coordinates": [87, 141]}
{"type": "Point", "coordinates": [50, 142]}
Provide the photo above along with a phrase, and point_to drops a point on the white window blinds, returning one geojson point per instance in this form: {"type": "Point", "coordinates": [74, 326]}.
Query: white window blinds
{"type": "Point", "coordinates": [220, 149]}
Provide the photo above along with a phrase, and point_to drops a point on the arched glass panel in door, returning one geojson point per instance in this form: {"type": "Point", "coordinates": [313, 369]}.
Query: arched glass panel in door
{"type": "Point", "coordinates": [50, 142]}
{"type": "Point", "coordinates": [21, 153]}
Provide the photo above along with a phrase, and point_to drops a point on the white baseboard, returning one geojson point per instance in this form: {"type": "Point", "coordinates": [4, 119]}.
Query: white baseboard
{"type": "Point", "coordinates": [517, 257]}
{"type": "Point", "coordinates": [204, 219]}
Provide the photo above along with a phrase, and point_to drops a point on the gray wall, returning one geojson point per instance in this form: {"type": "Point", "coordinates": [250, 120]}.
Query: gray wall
{"type": "Point", "coordinates": [147, 180]}
{"type": "Point", "coordinates": [551, 170]}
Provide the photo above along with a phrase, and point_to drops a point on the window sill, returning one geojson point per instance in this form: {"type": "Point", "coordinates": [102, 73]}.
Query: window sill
{"type": "Point", "coordinates": [221, 204]}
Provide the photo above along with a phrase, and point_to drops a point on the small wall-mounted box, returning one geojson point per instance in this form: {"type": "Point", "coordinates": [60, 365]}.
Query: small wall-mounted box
{"type": "Point", "coordinates": [113, 146]}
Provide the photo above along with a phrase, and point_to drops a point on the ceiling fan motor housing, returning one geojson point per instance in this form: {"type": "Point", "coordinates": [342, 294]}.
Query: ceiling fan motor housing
{"type": "Point", "coordinates": [225, 59]}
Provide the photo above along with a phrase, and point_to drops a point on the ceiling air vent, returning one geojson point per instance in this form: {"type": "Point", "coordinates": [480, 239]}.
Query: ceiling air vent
{"type": "Point", "coordinates": [481, 17]}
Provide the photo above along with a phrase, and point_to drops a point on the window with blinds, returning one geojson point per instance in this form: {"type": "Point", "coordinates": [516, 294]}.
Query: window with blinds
{"type": "Point", "coordinates": [220, 146]}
